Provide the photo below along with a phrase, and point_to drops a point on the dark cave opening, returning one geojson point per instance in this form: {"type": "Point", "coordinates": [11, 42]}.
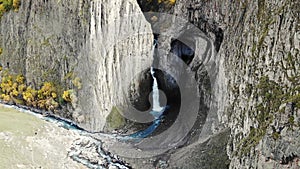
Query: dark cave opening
{"type": "Point", "coordinates": [182, 51]}
{"type": "Point", "coordinates": [168, 96]}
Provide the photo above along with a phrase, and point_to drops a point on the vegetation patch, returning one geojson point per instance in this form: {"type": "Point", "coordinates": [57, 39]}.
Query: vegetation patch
{"type": "Point", "coordinates": [7, 5]}
{"type": "Point", "coordinates": [68, 95]}
{"type": "Point", "coordinates": [253, 138]}
{"type": "Point", "coordinates": [156, 5]}
{"type": "Point", "coordinates": [115, 120]}
{"type": "Point", "coordinates": [14, 90]}
{"type": "Point", "coordinates": [272, 96]}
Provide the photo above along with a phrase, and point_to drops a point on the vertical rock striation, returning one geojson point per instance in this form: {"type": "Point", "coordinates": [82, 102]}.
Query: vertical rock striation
{"type": "Point", "coordinates": [120, 47]}
{"type": "Point", "coordinates": [258, 42]}
{"type": "Point", "coordinates": [247, 76]}
{"type": "Point", "coordinates": [102, 42]}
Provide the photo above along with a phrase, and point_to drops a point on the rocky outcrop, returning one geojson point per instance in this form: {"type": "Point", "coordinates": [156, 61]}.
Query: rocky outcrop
{"type": "Point", "coordinates": [101, 42]}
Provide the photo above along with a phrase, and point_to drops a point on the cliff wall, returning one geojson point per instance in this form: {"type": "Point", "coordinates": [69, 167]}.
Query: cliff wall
{"type": "Point", "coordinates": [252, 64]}
{"type": "Point", "coordinates": [56, 41]}
{"type": "Point", "coordinates": [259, 44]}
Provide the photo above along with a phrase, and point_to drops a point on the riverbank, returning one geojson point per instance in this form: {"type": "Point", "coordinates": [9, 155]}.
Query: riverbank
{"type": "Point", "coordinates": [30, 142]}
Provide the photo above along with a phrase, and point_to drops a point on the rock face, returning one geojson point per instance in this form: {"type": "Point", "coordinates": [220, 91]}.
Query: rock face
{"type": "Point", "coordinates": [245, 58]}
{"type": "Point", "coordinates": [120, 47]}
{"type": "Point", "coordinates": [258, 42]}
{"type": "Point", "coordinates": [101, 42]}
{"type": "Point", "coordinates": [44, 39]}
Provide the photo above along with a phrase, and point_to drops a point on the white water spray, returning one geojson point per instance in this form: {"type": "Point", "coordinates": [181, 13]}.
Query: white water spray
{"type": "Point", "coordinates": [155, 93]}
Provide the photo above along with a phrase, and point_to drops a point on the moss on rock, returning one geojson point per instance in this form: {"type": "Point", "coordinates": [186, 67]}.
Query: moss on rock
{"type": "Point", "coordinates": [115, 120]}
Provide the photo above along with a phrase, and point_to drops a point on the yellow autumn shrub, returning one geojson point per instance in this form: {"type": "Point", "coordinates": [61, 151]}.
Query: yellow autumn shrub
{"type": "Point", "coordinates": [41, 104]}
{"type": "Point", "coordinates": [14, 89]}
{"type": "Point", "coordinates": [54, 95]}
{"type": "Point", "coordinates": [77, 82]}
{"type": "Point", "coordinates": [51, 104]}
{"type": "Point", "coordinates": [6, 84]}
{"type": "Point", "coordinates": [47, 91]}
{"type": "Point", "coordinates": [2, 10]}
{"type": "Point", "coordinates": [67, 95]}
{"type": "Point", "coordinates": [16, 4]}
{"type": "Point", "coordinates": [6, 5]}
{"type": "Point", "coordinates": [29, 95]}
{"type": "Point", "coordinates": [21, 88]}
{"type": "Point", "coordinates": [170, 2]}
{"type": "Point", "coordinates": [20, 79]}
{"type": "Point", "coordinates": [5, 97]}
{"type": "Point", "coordinates": [15, 92]}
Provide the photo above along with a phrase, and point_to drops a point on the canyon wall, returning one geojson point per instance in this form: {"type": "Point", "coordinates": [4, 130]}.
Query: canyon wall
{"type": "Point", "coordinates": [259, 44]}
{"type": "Point", "coordinates": [252, 66]}
{"type": "Point", "coordinates": [102, 42]}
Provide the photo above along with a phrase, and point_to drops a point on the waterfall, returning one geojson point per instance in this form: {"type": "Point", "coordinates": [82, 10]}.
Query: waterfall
{"type": "Point", "coordinates": [155, 93]}
{"type": "Point", "coordinates": [157, 111]}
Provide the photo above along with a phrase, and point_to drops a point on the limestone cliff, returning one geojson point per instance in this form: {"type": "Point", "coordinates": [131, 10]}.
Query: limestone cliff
{"type": "Point", "coordinates": [92, 40]}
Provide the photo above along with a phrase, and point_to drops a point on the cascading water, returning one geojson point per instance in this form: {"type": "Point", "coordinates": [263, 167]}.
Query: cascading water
{"type": "Point", "coordinates": [157, 111]}
{"type": "Point", "coordinates": [155, 96]}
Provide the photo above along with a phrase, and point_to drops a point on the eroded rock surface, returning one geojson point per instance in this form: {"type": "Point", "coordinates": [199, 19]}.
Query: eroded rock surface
{"type": "Point", "coordinates": [251, 66]}
{"type": "Point", "coordinates": [104, 43]}
{"type": "Point", "coordinates": [258, 42]}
